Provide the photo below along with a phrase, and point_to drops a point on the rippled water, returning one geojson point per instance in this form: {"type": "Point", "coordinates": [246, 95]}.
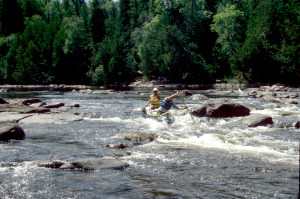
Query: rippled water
{"type": "Point", "coordinates": [211, 158]}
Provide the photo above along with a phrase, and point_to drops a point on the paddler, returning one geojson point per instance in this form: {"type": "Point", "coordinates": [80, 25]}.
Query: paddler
{"type": "Point", "coordinates": [154, 99]}
{"type": "Point", "coordinates": [168, 103]}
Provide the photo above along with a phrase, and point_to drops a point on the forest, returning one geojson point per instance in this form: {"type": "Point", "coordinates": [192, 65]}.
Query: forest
{"type": "Point", "coordinates": [188, 41]}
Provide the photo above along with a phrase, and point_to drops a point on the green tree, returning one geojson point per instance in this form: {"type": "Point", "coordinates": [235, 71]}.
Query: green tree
{"type": "Point", "coordinates": [71, 53]}
{"type": "Point", "coordinates": [97, 21]}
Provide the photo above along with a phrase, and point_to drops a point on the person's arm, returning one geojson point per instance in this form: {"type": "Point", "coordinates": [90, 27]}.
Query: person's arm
{"type": "Point", "coordinates": [173, 96]}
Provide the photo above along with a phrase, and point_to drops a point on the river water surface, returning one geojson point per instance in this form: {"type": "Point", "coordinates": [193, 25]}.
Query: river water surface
{"type": "Point", "coordinates": [211, 158]}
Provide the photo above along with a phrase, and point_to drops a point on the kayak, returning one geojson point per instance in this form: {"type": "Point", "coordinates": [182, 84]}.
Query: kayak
{"type": "Point", "coordinates": [168, 116]}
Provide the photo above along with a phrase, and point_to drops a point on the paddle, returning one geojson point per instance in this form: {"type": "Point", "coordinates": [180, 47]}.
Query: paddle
{"type": "Point", "coordinates": [186, 108]}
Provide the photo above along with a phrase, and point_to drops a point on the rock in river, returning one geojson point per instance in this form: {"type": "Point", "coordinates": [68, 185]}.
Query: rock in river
{"type": "Point", "coordinates": [140, 137]}
{"type": "Point", "coordinates": [221, 108]}
{"type": "Point", "coordinates": [88, 164]}
{"type": "Point", "coordinates": [58, 105]}
{"type": "Point", "coordinates": [52, 118]}
{"type": "Point", "coordinates": [198, 97]}
{"type": "Point", "coordinates": [11, 131]}
{"type": "Point", "coordinates": [257, 120]}
{"type": "Point", "coordinates": [2, 101]}
{"type": "Point", "coordinates": [297, 125]}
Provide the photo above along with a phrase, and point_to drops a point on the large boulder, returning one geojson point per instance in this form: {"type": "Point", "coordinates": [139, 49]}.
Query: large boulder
{"type": "Point", "coordinates": [140, 137]}
{"type": "Point", "coordinates": [198, 97]}
{"type": "Point", "coordinates": [88, 164]}
{"type": "Point", "coordinates": [11, 131]}
{"type": "Point", "coordinates": [220, 108]}
{"type": "Point", "coordinates": [257, 120]}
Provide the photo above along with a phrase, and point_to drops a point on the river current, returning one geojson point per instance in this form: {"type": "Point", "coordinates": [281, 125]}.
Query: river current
{"type": "Point", "coordinates": [208, 158]}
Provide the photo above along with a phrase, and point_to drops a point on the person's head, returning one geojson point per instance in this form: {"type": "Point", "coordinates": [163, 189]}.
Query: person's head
{"type": "Point", "coordinates": [155, 91]}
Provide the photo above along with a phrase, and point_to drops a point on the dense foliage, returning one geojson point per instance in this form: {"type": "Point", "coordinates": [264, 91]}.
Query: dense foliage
{"type": "Point", "coordinates": [192, 41]}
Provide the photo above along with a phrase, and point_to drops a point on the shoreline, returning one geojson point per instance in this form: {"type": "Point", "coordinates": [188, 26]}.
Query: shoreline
{"type": "Point", "coordinates": [137, 84]}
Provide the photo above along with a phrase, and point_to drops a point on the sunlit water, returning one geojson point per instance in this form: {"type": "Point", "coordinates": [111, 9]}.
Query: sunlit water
{"type": "Point", "coordinates": [211, 158]}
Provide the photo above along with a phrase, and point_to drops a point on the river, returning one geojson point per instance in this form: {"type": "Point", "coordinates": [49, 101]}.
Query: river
{"type": "Point", "coordinates": [208, 158]}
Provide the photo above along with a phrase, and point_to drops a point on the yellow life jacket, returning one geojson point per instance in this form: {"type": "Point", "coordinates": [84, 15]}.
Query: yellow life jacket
{"type": "Point", "coordinates": [154, 104]}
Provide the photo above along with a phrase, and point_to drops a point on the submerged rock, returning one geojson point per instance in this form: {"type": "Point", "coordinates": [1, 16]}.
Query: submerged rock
{"type": "Point", "coordinates": [257, 120]}
{"type": "Point", "coordinates": [221, 108]}
{"type": "Point", "coordinates": [140, 137]}
{"type": "Point", "coordinates": [88, 164]}
{"type": "Point", "coordinates": [11, 131]}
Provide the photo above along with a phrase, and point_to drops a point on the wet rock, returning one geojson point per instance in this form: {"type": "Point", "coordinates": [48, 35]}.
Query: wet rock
{"type": "Point", "coordinates": [220, 108]}
{"type": "Point", "coordinates": [117, 146]}
{"type": "Point", "coordinates": [285, 125]}
{"type": "Point", "coordinates": [37, 110]}
{"type": "Point", "coordinates": [53, 165]}
{"type": "Point", "coordinates": [140, 137]}
{"type": "Point", "coordinates": [269, 98]}
{"type": "Point", "coordinates": [198, 97]}
{"type": "Point", "coordinates": [84, 91]}
{"type": "Point", "coordinates": [28, 102]}
{"type": "Point", "coordinates": [58, 105]}
{"type": "Point", "coordinates": [292, 102]}
{"type": "Point", "coordinates": [2, 101]}
{"type": "Point", "coordinates": [76, 106]}
{"type": "Point", "coordinates": [12, 117]}
{"type": "Point", "coordinates": [87, 164]}
{"type": "Point", "coordinates": [123, 146]}
{"type": "Point", "coordinates": [257, 120]}
{"type": "Point", "coordinates": [11, 131]}
{"type": "Point", "coordinates": [297, 125]}
{"type": "Point", "coordinates": [52, 118]}
{"type": "Point", "coordinates": [21, 109]}
{"type": "Point", "coordinates": [253, 93]}
{"type": "Point", "coordinates": [186, 93]}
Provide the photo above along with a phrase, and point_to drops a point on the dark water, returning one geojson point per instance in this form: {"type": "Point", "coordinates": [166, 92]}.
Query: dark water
{"type": "Point", "coordinates": [211, 158]}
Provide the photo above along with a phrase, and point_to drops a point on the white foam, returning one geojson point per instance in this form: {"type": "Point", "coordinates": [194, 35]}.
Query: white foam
{"type": "Point", "coordinates": [239, 145]}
